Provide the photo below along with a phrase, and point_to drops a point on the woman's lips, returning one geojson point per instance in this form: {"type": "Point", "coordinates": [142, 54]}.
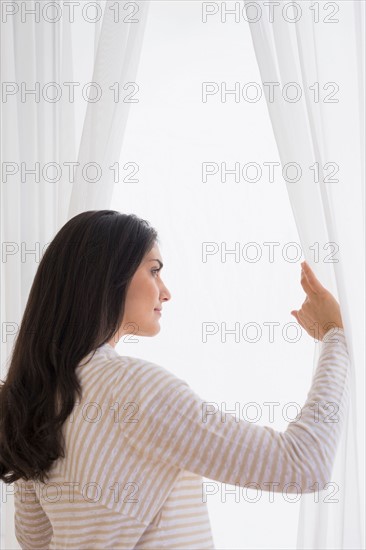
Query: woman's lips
{"type": "Point", "coordinates": [157, 311]}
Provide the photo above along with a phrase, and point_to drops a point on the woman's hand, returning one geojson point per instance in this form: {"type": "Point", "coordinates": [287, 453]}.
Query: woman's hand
{"type": "Point", "coordinates": [320, 311]}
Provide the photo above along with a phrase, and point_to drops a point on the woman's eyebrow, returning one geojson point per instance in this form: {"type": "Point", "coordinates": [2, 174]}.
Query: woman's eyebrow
{"type": "Point", "coordinates": [160, 263]}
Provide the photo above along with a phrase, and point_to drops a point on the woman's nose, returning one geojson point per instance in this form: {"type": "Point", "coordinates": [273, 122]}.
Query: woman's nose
{"type": "Point", "coordinates": [165, 294]}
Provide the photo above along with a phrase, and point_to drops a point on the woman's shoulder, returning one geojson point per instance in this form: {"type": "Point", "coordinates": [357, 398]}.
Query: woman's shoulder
{"type": "Point", "coordinates": [136, 375]}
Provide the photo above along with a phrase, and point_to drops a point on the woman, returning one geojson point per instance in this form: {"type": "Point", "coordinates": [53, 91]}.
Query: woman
{"type": "Point", "coordinates": [108, 451]}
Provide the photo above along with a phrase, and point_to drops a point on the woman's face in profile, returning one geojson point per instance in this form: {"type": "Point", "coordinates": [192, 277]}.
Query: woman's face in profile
{"type": "Point", "coordinates": [146, 293]}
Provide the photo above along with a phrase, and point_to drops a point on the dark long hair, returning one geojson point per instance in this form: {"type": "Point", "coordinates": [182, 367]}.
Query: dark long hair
{"type": "Point", "coordinates": [76, 304]}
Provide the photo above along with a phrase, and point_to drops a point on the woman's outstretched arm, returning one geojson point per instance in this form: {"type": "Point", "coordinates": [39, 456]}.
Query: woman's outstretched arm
{"type": "Point", "coordinates": [177, 427]}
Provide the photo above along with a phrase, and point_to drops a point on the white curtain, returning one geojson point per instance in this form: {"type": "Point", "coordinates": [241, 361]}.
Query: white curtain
{"type": "Point", "coordinates": [107, 52]}
{"type": "Point", "coordinates": [42, 52]}
{"type": "Point", "coordinates": [314, 56]}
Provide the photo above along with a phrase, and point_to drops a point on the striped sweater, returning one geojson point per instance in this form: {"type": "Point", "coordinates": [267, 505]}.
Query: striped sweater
{"type": "Point", "coordinates": [140, 441]}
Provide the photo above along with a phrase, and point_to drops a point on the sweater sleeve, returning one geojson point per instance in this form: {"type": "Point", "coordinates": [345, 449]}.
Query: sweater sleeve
{"type": "Point", "coordinates": [177, 427]}
{"type": "Point", "coordinates": [33, 529]}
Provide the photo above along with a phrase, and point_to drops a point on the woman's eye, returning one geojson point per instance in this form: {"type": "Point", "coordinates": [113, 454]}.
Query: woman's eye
{"type": "Point", "coordinates": [155, 270]}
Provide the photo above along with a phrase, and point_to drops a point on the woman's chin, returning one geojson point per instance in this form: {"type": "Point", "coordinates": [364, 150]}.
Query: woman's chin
{"type": "Point", "coordinates": [151, 331]}
{"type": "Point", "coordinates": [156, 328]}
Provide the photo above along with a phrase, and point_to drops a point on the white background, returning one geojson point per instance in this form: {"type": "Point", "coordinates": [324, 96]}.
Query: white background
{"type": "Point", "coordinates": [170, 133]}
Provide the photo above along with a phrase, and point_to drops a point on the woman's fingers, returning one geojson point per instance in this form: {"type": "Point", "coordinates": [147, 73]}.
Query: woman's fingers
{"type": "Point", "coordinates": [306, 284]}
{"type": "Point", "coordinates": [297, 314]}
{"type": "Point", "coordinates": [320, 309]}
{"type": "Point", "coordinates": [294, 313]}
{"type": "Point", "coordinates": [304, 318]}
{"type": "Point", "coordinates": [309, 281]}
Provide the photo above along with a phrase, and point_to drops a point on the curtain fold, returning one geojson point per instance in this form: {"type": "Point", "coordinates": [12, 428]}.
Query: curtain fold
{"type": "Point", "coordinates": [115, 69]}
{"type": "Point", "coordinates": [34, 208]}
{"type": "Point", "coordinates": [327, 201]}
{"type": "Point", "coordinates": [317, 114]}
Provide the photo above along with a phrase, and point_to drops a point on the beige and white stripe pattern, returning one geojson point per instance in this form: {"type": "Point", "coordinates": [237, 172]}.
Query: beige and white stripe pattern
{"type": "Point", "coordinates": [138, 445]}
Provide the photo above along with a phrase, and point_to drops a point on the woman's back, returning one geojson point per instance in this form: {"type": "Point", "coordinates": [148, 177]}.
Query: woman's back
{"type": "Point", "coordinates": [138, 445]}
{"type": "Point", "coordinates": [105, 493]}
